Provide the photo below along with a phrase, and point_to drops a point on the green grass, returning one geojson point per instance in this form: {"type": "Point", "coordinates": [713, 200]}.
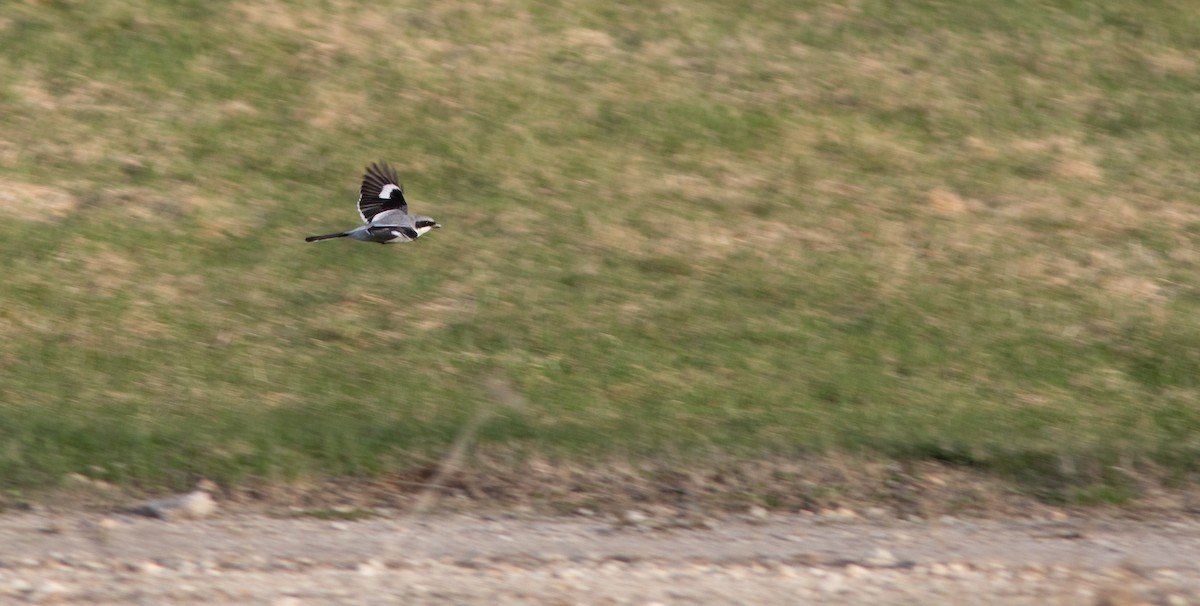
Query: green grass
{"type": "Point", "coordinates": [345, 514]}
{"type": "Point", "coordinates": [963, 232]}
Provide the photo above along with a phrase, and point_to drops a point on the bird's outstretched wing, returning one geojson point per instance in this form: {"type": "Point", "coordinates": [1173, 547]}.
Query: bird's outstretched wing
{"type": "Point", "coordinates": [381, 190]}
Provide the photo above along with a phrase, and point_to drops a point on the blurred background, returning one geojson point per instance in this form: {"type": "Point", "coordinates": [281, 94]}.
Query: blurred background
{"type": "Point", "coordinates": [678, 231]}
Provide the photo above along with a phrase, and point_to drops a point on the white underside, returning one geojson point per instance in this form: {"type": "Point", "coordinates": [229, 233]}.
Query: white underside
{"type": "Point", "coordinates": [401, 238]}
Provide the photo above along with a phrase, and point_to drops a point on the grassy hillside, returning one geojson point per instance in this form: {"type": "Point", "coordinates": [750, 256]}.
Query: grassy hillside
{"type": "Point", "coordinates": [917, 230]}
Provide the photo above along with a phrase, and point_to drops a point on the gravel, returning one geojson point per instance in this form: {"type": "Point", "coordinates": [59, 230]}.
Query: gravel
{"type": "Point", "coordinates": [78, 558]}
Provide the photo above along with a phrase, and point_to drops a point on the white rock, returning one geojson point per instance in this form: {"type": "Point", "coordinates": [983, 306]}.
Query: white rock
{"type": "Point", "coordinates": [834, 583]}
{"type": "Point", "coordinates": [1031, 576]}
{"type": "Point", "coordinates": [371, 568]}
{"type": "Point", "coordinates": [633, 517]}
{"type": "Point", "coordinates": [841, 514]}
{"type": "Point", "coordinates": [149, 567]}
{"type": "Point", "coordinates": [876, 512]}
{"type": "Point", "coordinates": [193, 505]}
{"type": "Point", "coordinates": [568, 574]}
{"type": "Point", "coordinates": [46, 591]}
{"type": "Point", "coordinates": [846, 513]}
{"type": "Point", "coordinates": [882, 557]}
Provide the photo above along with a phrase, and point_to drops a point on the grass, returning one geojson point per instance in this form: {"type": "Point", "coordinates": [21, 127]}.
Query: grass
{"type": "Point", "coordinates": [680, 230]}
{"type": "Point", "coordinates": [347, 514]}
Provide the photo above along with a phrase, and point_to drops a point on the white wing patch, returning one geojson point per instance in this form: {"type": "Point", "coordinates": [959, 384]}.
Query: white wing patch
{"type": "Point", "coordinates": [386, 192]}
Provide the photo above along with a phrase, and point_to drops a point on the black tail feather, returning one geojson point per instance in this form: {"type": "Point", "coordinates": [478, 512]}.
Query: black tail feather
{"type": "Point", "coordinates": [326, 237]}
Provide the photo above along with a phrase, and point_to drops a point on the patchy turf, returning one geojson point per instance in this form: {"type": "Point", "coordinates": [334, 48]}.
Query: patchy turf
{"type": "Point", "coordinates": [677, 231]}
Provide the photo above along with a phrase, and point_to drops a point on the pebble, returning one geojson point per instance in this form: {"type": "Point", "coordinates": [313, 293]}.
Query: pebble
{"type": "Point", "coordinates": [46, 591]}
{"type": "Point", "coordinates": [882, 557]}
{"type": "Point", "coordinates": [193, 505]}
{"type": "Point", "coordinates": [834, 583]}
{"type": "Point", "coordinates": [371, 568]}
{"type": "Point", "coordinates": [568, 573]}
{"type": "Point", "coordinates": [958, 568]}
{"type": "Point", "coordinates": [1032, 576]}
{"type": "Point", "coordinates": [148, 567]}
{"type": "Point", "coordinates": [876, 512]}
{"type": "Point", "coordinates": [840, 514]}
{"type": "Point", "coordinates": [633, 517]}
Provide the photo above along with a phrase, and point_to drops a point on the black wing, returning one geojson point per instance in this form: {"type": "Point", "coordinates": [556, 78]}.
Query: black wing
{"type": "Point", "coordinates": [408, 234]}
{"type": "Point", "coordinates": [381, 190]}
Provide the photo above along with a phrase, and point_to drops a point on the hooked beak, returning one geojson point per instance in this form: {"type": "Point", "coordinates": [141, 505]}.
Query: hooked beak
{"type": "Point", "coordinates": [437, 225]}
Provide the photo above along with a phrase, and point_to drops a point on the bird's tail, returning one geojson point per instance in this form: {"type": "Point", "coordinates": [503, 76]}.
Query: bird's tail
{"type": "Point", "coordinates": [327, 237]}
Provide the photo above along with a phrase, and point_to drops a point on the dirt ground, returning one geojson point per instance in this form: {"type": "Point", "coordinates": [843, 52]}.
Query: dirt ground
{"type": "Point", "coordinates": [637, 557]}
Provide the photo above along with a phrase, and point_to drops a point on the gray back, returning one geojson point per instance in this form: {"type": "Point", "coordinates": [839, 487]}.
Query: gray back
{"type": "Point", "coordinates": [392, 218]}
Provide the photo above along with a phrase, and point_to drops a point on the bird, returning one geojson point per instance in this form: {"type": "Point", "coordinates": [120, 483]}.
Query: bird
{"type": "Point", "coordinates": [384, 211]}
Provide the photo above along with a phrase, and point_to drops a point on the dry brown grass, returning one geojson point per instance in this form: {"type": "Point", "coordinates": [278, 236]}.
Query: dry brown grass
{"type": "Point", "coordinates": [37, 203]}
{"type": "Point", "coordinates": [494, 479]}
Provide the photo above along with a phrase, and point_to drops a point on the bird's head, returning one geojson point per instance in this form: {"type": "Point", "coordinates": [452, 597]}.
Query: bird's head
{"type": "Point", "coordinates": [424, 224]}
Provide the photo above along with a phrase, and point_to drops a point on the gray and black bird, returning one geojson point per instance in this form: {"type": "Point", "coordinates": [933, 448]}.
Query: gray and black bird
{"type": "Point", "coordinates": [384, 211]}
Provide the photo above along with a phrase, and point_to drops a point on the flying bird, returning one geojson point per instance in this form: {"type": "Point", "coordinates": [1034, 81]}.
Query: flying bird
{"type": "Point", "coordinates": [384, 211]}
